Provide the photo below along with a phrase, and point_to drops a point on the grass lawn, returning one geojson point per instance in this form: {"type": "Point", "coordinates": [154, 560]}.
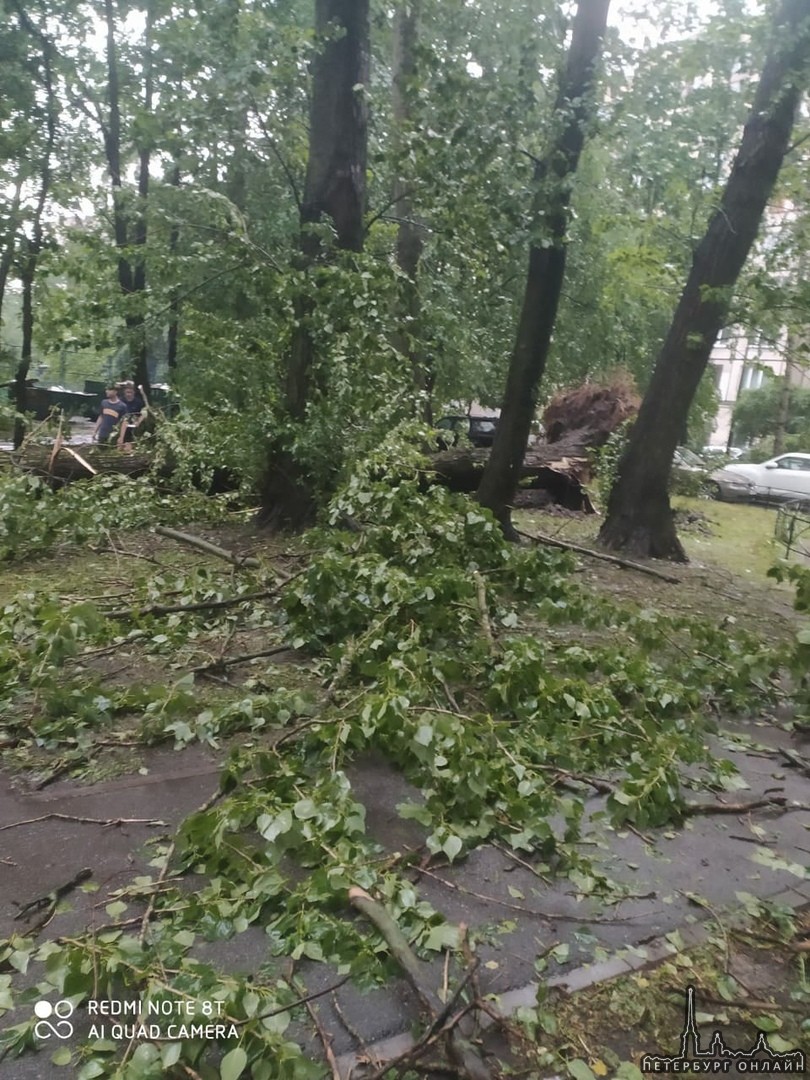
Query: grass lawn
{"type": "Point", "coordinates": [735, 536]}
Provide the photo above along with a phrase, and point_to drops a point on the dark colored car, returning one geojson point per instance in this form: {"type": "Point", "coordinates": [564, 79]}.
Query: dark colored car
{"type": "Point", "coordinates": [480, 430]}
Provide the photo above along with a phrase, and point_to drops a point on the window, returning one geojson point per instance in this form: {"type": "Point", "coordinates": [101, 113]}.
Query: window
{"type": "Point", "coordinates": [752, 377]}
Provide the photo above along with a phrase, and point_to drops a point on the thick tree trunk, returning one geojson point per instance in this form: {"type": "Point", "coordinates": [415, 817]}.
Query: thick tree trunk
{"type": "Point", "coordinates": [639, 518]}
{"type": "Point", "coordinates": [173, 332]}
{"type": "Point", "coordinates": [33, 247]}
{"type": "Point", "coordinates": [26, 351]}
{"type": "Point", "coordinates": [408, 338]}
{"type": "Point", "coordinates": [573, 107]}
{"type": "Point", "coordinates": [131, 275]}
{"type": "Point", "coordinates": [334, 189]}
{"type": "Point", "coordinates": [560, 472]}
{"type": "Point", "coordinates": [783, 412]}
{"type": "Point", "coordinates": [335, 185]}
{"type": "Point", "coordinates": [137, 322]}
{"type": "Point", "coordinates": [10, 237]}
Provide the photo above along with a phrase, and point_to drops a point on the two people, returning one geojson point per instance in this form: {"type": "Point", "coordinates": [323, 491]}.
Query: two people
{"type": "Point", "coordinates": [119, 417]}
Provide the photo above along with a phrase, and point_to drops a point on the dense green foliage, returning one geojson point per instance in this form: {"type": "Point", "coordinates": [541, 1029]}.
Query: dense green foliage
{"type": "Point", "coordinates": [224, 131]}
{"type": "Point", "coordinates": [757, 413]}
{"type": "Point", "coordinates": [457, 658]}
{"type": "Point", "coordinates": [487, 675]}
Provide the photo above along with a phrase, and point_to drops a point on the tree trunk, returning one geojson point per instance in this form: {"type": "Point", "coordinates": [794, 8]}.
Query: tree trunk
{"type": "Point", "coordinates": [33, 247]}
{"type": "Point", "coordinates": [573, 107]}
{"type": "Point", "coordinates": [335, 188]}
{"type": "Point", "coordinates": [137, 322]}
{"type": "Point", "coordinates": [24, 366]}
{"type": "Point", "coordinates": [131, 278]}
{"type": "Point", "coordinates": [639, 518]}
{"type": "Point", "coordinates": [408, 338]}
{"type": "Point", "coordinates": [10, 238]}
{"type": "Point", "coordinates": [783, 412]}
{"type": "Point", "coordinates": [335, 184]}
{"type": "Point", "coordinates": [173, 332]}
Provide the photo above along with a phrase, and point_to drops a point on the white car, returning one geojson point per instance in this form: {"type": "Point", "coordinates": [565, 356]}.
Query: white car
{"type": "Point", "coordinates": [782, 478]}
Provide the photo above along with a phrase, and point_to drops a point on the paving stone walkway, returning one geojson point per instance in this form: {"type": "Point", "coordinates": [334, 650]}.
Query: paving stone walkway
{"type": "Point", "coordinates": [712, 857]}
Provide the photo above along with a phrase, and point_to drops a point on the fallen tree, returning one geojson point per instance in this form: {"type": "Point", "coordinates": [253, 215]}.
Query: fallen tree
{"type": "Point", "coordinates": [564, 477]}
{"type": "Point", "coordinates": [576, 423]}
{"type": "Point", "coordinates": [62, 463]}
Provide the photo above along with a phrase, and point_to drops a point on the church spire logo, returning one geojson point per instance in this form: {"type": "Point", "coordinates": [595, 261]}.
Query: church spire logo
{"type": "Point", "coordinates": [718, 1058]}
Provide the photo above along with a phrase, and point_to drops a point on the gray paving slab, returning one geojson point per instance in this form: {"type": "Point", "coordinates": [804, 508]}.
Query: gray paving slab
{"type": "Point", "coordinates": [514, 914]}
{"type": "Point", "coordinates": [45, 854]}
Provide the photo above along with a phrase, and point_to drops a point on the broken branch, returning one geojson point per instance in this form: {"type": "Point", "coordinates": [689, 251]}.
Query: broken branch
{"type": "Point", "coordinates": [625, 564]}
{"type": "Point", "coordinates": [106, 822]}
{"type": "Point", "coordinates": [462, 1053]}
{"type": "Point", "coordinates": [208, 547]}
{"type": "Point", "coordinates": [775, 802]}
{"type": "Point", "coordinates": [243, 658]}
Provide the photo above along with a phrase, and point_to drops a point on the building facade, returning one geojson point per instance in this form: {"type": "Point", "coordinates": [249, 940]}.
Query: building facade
{"type": "Point", "coordinates": [743, 363]}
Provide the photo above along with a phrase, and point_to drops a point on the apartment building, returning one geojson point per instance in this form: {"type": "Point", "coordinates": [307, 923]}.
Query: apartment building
{"type": "Point", "coordinates": [743, 363]}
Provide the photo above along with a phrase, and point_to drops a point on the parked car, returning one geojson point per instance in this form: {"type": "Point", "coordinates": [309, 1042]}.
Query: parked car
{"type": "Point", "coordinates": [480, 430]}
{"type": "Point", "coordinates": [689, 473]}
{"type": "Point", "coordinates": [710, 452]}
{"type": "Point", "coordinates": [782, 478]}
{"type": "Point", "coordinates": [687, 460]}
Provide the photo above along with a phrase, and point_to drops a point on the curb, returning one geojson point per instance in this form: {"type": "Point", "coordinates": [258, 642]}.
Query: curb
{"type": "Point", "coordinates": [581, 978]}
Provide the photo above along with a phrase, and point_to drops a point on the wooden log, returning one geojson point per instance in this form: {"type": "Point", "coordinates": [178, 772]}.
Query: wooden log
{"type": "Point", "coordinates": [463, 1054]}
{"type": "Point", "coordinates": [562, 469]}
{"type": "Point", "coordinates": [68, 464]}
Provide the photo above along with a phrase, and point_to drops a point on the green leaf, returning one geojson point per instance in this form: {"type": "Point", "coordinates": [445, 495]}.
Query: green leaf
{"type": "Point", "coordinates": [622, 797]}
{"type": "Point", "coordinates": [580, 1070]}
{"type": "Point", "coordinates": [441, 937]}
{"type": "Point", "coordinates": [90, 1070]}
{"type": "Point", "coordinates": [271, 827]}
{"type": "Point", "coordinates": [305, 809]}
{"type": "Point", "coordinates": [628, 1071]}
{"type": "Point", "coordinates": [171, 1054]}
{"type": "Point", "coordinates": [233, 1064]}
{"type": "Point", "coordinates": [780, 1045]}
{"type": "Point", "coordinates": [250, 1002]}
{"type": "Point", "coordinates": [117, 907]}
{"type": "Point", "coordinates": [767, 1023]}
{"type": "Point", "coordinates": [452, 846]}
{"type": "Point", "coordinates": [62, 1056]}
{"type": "Point", "coordinates": [424, 735]}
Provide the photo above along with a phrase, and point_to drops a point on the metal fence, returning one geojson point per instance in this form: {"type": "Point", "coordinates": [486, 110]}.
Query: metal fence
{"type": "Point", "coordinates": [793, 527]}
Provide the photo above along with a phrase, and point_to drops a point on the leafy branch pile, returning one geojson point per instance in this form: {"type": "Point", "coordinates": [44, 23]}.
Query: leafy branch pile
{"type": "Point", "coordinates": [502, 689]}
{"type": "Point", "coordinates": [34, 518]}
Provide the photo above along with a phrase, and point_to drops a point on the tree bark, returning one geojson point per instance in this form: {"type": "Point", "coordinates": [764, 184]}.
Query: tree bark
{"type": "Point", "coordinates": [783, 412]}
{"type": "Point", "coordinates": [10, 238]}
{"type": "Point", "coordinates": [408, 338]}
{"type": "Point", "coordinates": [137, 322]}
{"type": "Point", "coordinates": [131, 275]}
{"type": "Point", "coordinates": [173, 332]}
{"type": "Point", "coordinates": [334, 189]}
{"type": "Point", "coordinates": [335, 185]}
{"type": "Point", "coordinates": [573, 107]}
{"type": "Point", "coordinates": [639, 518]}
{"type": "Point", "coordinates": [32, 249]}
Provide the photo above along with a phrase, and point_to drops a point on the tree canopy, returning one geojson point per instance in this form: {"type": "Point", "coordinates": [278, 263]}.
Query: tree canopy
{"type": "Point", "coordinates": [174, 183]}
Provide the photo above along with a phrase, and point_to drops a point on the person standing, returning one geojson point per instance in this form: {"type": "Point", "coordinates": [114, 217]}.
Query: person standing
{"type": "Point", "coordinates": [134, 415]}
{"type": "Point", "coordinates": [111, 413]}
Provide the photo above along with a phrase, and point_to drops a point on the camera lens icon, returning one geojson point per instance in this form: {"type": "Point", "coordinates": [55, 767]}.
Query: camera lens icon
{"type": "Point", "coordinates": [60, 1011]}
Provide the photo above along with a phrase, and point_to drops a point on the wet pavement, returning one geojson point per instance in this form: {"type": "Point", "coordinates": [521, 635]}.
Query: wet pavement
{"type": "Point", "coordinates": [677, 877]}
{"type": "Point", "coordinates": [81, 432]}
